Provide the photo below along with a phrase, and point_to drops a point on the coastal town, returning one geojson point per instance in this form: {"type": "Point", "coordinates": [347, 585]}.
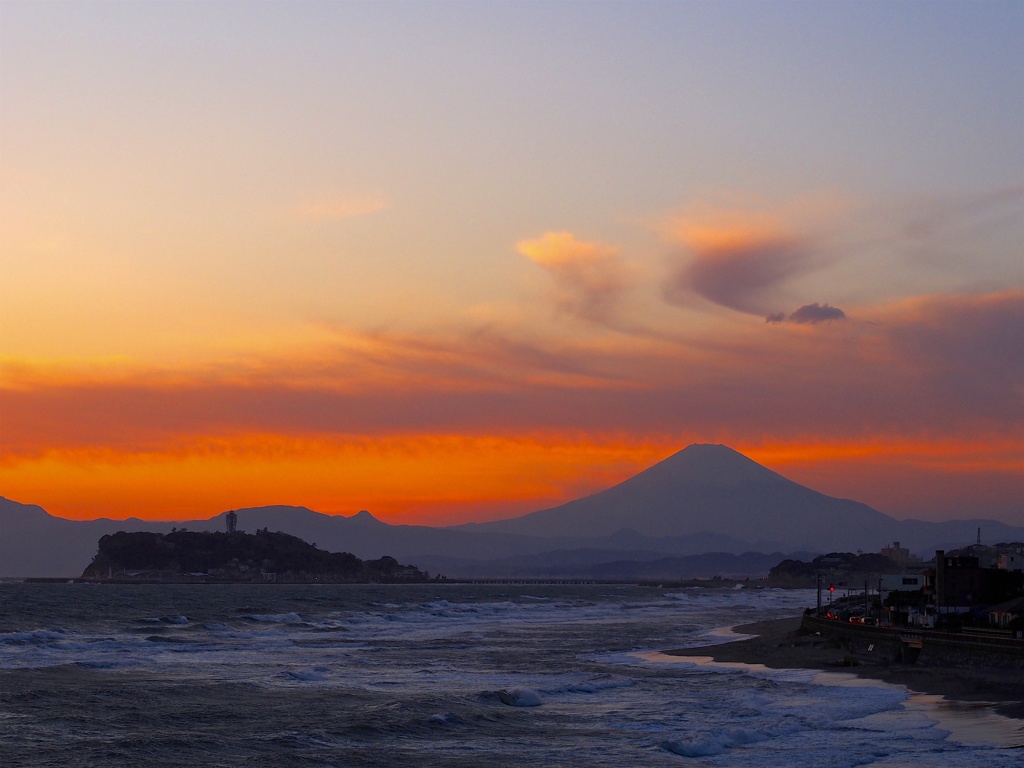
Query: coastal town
{"type": "Point", "coordinates": [952, 625]}
{"type": "Point", "coordinates": [974, 588]}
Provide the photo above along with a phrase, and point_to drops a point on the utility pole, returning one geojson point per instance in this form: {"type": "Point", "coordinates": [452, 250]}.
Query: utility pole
{"type": "Point", "coordinates": [880, 600]}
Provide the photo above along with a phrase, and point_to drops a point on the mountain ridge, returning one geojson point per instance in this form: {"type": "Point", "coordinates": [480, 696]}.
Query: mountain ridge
{"type": "Point", "coordinates": [709, 488]}
{"type": "Point", "coordinates": [704, 498]}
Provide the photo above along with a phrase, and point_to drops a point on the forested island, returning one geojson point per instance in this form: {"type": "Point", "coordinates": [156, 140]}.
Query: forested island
{"type": "Point", "coordinates": [235, 557]}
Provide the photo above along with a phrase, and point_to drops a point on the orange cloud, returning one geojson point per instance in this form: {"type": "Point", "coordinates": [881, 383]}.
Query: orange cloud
{"type": "Point", "coordinates": [590, 276]}
{"type": "Point", "coordinates": [708, 229]}
{"type": "Point", "coordinates": [562, 249]}
{"type": "Point", "coordinates": [966, 455]}
{"type": "Point", "coordinates": [938, 370]}
{"type": "Point", "coordinates": [934, 366]}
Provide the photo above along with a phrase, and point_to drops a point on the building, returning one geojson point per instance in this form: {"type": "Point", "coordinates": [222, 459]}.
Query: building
{"type": "Point", "coordinates": [900, 555]}
{"type": "Point", "coordinates": [962, 584]}
{"type": "Point", "coordinates": [1010, 561]}
{"type": "Point", "coordinates": [901, 605]}
{"type": "Point", "coordinates": [901, 582]}
{"type": "Point", "coordinates": [1004, 614]}
{"type": "Point", "coordinates": [958, 582]}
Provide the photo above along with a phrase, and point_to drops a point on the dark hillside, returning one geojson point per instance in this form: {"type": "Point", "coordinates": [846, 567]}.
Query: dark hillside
{"type": "Point", "coordinates": [835, 567]}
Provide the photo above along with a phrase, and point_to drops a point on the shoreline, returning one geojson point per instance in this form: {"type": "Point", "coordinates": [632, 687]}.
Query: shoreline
{"type": "Point", "coordinates": [779, 644]}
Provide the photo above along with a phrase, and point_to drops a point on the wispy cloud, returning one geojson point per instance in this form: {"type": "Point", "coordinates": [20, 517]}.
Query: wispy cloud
{"type": "Point", "coordinates": [970, 344]}
{"type": "Point", "coordinates": [742, 258]}
{"type": "Point", "coordinates": [734, 259]}
{"type": "Point", "coordinates": [590, 276]}
{"type": "Point", "coordinates": [740, 277]}
{"type": "Point", "coordinates": [939, 368]}
{"type": "Point", "coordinates": [939, 364]}
{"type": "Point", "coordinates": [940, 217]}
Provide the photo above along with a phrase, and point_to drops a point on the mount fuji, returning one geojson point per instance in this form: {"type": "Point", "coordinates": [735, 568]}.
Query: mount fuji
{"type": "Point", "coordinates": [703, 499]}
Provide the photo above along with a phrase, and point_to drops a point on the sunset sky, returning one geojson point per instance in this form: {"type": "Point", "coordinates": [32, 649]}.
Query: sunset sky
{"type": "Point", "coordinates": [452, 261]}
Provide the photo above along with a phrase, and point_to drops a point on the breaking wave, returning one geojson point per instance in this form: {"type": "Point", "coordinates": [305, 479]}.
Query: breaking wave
{"type": "Point", "coordinates": [714, 744]}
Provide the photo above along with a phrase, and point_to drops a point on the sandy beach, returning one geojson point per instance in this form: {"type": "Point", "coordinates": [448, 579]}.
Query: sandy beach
{"type": "Point", "coordinates": [780, 645]}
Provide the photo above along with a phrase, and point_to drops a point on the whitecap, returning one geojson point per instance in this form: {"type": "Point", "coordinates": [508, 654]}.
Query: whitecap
{"type": "Point", "coordinates": [448, 718]}
{"type": "Point", "coordinates": [715, 743]}
{"type": "Point", "coordinates": [35, 637]}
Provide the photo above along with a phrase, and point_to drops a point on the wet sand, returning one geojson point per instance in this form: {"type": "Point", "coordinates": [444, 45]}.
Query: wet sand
{"type": "Point", "coordinates": [780, 645]}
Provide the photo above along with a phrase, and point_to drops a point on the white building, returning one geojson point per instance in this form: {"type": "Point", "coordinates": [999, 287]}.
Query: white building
{"type": "Point", "coordinates": [903, 582]}
{"type": "Point", "coordinates": [1010, 561]}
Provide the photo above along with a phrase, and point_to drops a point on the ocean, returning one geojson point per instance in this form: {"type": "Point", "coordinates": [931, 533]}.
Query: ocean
{"type": "Point", "coordinates": [439, 675]}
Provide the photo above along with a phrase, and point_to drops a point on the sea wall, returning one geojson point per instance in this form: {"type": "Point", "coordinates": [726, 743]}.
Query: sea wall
{"type": "Point", "coordinates": [926, 648]}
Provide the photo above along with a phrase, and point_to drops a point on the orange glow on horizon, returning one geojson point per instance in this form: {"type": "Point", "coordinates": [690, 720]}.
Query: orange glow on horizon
{"type": "Point", "coordinates": [417, 479]}
{"type": "Point", "coordinates": [452, 428]}
{"type": "Point", "coordinates": [432, 479]}
{"type": "Point", "coordinates": [916, 478]}
{"type": "Point", "coordinates": [999, 453]}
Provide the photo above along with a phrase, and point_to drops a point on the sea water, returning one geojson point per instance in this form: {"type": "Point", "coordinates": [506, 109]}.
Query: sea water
{"type": "Point", "coordinates": [436, 675]}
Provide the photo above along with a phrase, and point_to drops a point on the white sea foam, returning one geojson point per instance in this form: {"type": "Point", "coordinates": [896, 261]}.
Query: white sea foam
{"type": "Point", "coordinates": [35, 637]}
{"type": "Point", "coordinates": [448, 718]}
{"type": "Point", "coordinates": [714, 744]}
{"type": "Point", "coordinates": [581, 658]}
{"type": "Point", "coordinates": [308, 675]}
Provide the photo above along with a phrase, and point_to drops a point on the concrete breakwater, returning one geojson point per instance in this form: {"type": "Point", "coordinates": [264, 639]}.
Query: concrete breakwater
{"type": "Point", "coordinates": [926, 648]}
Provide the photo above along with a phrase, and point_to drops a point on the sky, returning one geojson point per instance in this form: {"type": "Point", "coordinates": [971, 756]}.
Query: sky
{"type": "Point", "coordinates": [460, 261]}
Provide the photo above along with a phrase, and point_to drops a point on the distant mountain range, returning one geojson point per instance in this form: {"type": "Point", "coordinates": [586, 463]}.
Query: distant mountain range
{"type": "Point", "coordinates": [707, 510]}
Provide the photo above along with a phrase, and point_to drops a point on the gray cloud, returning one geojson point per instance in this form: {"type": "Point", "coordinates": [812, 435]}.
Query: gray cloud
{"type": "Point", "coordinates": [740, 277]}
{"type": "Point", "coordinates": [808, 314]}
{"type": "Point", "coordinates": [817, 313]}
